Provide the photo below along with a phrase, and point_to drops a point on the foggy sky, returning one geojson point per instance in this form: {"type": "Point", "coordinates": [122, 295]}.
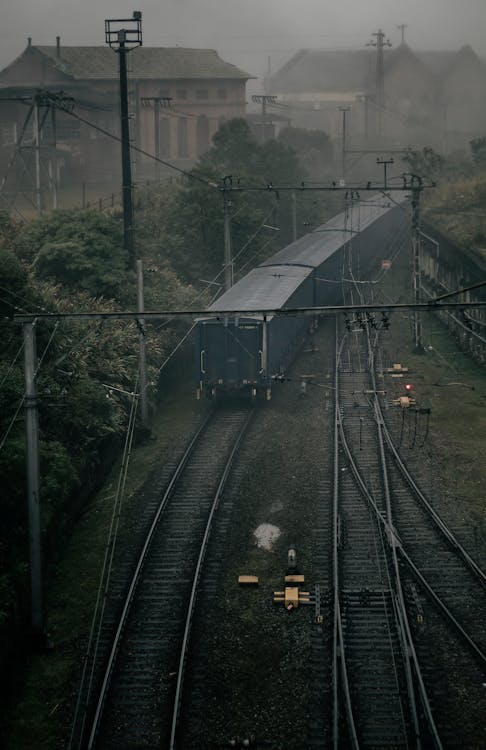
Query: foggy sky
{"type": "Point", "coordinates": [248, 32]}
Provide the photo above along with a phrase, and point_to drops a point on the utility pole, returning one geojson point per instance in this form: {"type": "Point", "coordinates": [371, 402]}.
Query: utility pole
{"type": "Point", "coordinates": [228, 259]}
{"type": "Point", "coordinates": [385, 163]}
{"type": "Point", "coordinates": [402, 27]}
{"type": "Point", "coordinates": [263, 99]}
{"type": "Point", "coordinates": [343, 149]}
{"type": "Point", "coordinates": [366, 98]}
{"type": "Point", "coordinates": [122, 40]}
{"type": "Point", "coordinates": [416, 187]}
{"type": "Point", "coordinates": [380, 44]}
{"type": "Point", "coordinates": [33, 497]}
{"type": "Point", "coordinates": [48, 100]}
{"type": "Point", "coordinates": [142, 349]}
{"type": "Point", "coordinates": [294, 216]}
{"type": "Point", "coordinates": [53, 160]}
{"type": "Point", "coordinates": [165, 101]}
{"type": "Point", "coordinates": [37, 142]}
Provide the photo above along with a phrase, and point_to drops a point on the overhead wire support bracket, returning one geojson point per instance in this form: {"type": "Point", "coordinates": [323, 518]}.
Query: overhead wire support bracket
{"type": "Point", "coordinates": [430, 306]}
{"type": "Point", "coordinates": [409, 182]}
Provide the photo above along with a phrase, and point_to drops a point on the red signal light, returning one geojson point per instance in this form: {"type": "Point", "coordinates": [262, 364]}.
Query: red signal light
{"type": "Point", "coordinates": [408, 387]}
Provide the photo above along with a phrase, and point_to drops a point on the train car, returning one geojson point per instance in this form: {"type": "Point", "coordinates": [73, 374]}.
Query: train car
{"type": "Point", "coordinates": [246, 349]}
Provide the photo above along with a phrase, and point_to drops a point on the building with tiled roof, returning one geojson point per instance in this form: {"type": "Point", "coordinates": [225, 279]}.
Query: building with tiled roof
{"type": "Point", "coordinates": [178, 98]}
{"type": "Point", "coordinates": [433, 98]}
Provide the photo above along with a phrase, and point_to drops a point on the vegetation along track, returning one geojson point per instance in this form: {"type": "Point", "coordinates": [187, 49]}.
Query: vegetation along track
{"type": "Point", "coordinates": [141, 689]}
{"type": "Point", "coordinates": [402, 581]}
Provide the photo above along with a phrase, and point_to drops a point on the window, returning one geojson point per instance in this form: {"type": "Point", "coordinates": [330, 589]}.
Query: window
{"type": "Point", "coordinates": [181, 94]}
{"type": "Point", "coordinates": [65, 131]}
{"type": "Point", "coordinates": [9, 133]}
{"type": "Point", "coordinates": [202, 94]}
{"type": "Point", "coordinates": [202, 135]}
{"type": "Point", "coordinates": [164, 137]}
{"type": "Point", "coordinates": [222, 94]}
{"type": "Point", "coordinates": [28, 137]}
{"type": "Point", "coordinates": [182, 144]}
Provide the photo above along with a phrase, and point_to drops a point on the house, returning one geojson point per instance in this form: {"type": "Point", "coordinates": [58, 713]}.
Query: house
{"type": "Point", "coordinates": [178, 98]}
{"type": "Point", "coordinates": [430, 98]}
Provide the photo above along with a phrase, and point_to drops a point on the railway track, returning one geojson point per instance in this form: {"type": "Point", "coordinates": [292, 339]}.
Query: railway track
{"type": "Point", "coordinates": [384, 656]}
{"type": "Point", "coordinates": [374, 703]}
{"type": "Point", "coordinates": [140, 697]}
{"type": "Point", "coordinates": [401, 580]}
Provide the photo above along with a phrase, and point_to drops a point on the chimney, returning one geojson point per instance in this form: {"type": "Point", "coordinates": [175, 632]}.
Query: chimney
{"type": "Point", "coordinates": [29, 41]}
{"type": "Point", "coordinates": [58, 46]}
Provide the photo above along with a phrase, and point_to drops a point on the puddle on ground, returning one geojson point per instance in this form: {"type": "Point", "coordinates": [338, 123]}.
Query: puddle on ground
{"type": "Point", "coordinates": [266, 535]}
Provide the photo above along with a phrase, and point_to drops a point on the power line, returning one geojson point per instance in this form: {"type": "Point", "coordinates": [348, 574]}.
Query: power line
{"type": "Point", "coordinates": [190, 175]}
{"type": "Point", "coordinates": [23, 299]}
{"type": "Point", "coordinates": [12, 364]}
{"type": "Point", "coordinates": [431, 306]}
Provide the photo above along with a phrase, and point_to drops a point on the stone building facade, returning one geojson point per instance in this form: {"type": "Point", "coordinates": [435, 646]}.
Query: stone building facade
{"type": "Point", "coordinates": [178, 98]}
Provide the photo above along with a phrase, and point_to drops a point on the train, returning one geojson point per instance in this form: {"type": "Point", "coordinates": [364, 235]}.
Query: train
{"type": "Point", "coordinates": [246, 349]}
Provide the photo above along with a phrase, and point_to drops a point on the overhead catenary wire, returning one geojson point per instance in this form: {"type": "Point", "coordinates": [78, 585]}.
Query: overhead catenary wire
{"type": "Point", "coordinates": [87, 676]}
{"type": "Point", "coordinates": [186, 173]}
{"type": "Point", "coordinates": [5, 377]}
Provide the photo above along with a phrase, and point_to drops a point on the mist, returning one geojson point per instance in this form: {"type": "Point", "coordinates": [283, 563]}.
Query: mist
{"type": "Point", "coordinates": [249, 33]}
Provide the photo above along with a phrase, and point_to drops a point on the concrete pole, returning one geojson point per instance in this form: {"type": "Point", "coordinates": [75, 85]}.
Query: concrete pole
{"type": "Point", "coordinates": [142, 348]}
{"type": "Point", "coordinates": [416, 244]}
{"type": "Point", "coordinates": [157, 136]}
{"type": "Point", "coordinates": [343, 149]}
{"type": "Point", "coordinates": [125, 150]}
{"type": "Point", "coordinates": [380, 44]}
{"type": "Point", "coordinates": [294, 216]}
{"type": "Point", "coordinates": [264, 117]}
{"type": "Point", "coordinates": [37, 137]}
{"type": "Point", "coordinates": [53, 162]}
{"type": "Point", "coordinates": [32, 443]}
{"type": "Point", "coordinates": [228, 259]}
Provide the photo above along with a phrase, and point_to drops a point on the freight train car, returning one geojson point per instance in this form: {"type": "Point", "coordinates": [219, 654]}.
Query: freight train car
{"type": "Point", "coordinates": [245, 349]}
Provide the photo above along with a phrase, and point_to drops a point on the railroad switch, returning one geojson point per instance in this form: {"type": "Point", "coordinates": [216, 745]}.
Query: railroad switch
{"type": "Point", "coordinates": [291, 597]}
{"type": "Point", "coordinates": [404, 401]}
{"type": "Point", "coordinates": [397, 370]}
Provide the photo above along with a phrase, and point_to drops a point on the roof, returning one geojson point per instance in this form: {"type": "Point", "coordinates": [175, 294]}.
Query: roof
{"type": "Point", "coordinates": [273, 282]}
{"type": "Point", "coordinates": [264, 288]}
{"type": "Point", "coordinates": [440, 62]}
{"type": "Point", "coordinates": [317, 70]}
{"type": "Point", "coordinates": [314, 248]}
{"type": "Point", "coordinates": [84, 63]}
{"type": "Point", "coordinates": [354, 70]}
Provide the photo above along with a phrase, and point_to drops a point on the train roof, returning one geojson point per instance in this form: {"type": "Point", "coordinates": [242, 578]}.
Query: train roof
{"type": "Point", "coordinates": [273, 282]}
{"type": "Point", "coordinates": [264, 288]}
{"type": "Point", "coordinates": [314, 248]}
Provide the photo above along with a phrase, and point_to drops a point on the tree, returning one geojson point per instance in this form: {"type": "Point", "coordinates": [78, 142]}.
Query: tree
{"type": "Point", "coordinates": [194, 228]}
{"type": "Point", "coordinates": [313, 149]}
{"type": "Point", "coordinates": [79, 249]}
{"type": "Point", "coordinates": [13, 283]}
{"type": "Point", "coordinates": [478, 151]}
{"type": "Point", "coordinates": [425, 163]}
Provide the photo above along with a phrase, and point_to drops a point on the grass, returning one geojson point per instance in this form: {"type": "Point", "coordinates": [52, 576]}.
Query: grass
{"type": "Point", "coordinates": [453, 385]}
